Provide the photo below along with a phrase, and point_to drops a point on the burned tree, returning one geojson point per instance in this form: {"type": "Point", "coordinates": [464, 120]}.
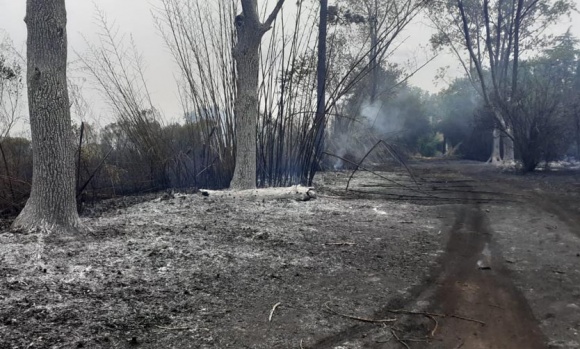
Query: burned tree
{"type": "Point", "coordinates": [52, 204]}
{"type": "Point", "coordinates": [495, 34]}
{"type": "Point", "coordinates": [250, 31]}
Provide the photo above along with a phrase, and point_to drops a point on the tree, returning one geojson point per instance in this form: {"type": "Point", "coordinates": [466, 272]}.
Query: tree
{"type": "Point", "coordinates": [246, 51]}
{"type": "Point", "coordinates": [575, 108]}
{"type": "Point", "coordinates": [379, 23]}
{"type": "Point", "coordinates": [495, 34]}
{"type": "Point", "coordinates": [11, 88]}
{"type": "Point", "coordinates": [207, 82]}
{"type": "Point", "coordinates": [320, 117]}
{"type": "Point", "coordinates": [542, 112]}
{"type": "Point", "coordinates": [52, 204]}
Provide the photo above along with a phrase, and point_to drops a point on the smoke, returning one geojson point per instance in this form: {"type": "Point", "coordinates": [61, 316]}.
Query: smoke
{"type": "Point", "coordinates": [381, 120]}
{"type": "Point", "coordinates": [375, 121]}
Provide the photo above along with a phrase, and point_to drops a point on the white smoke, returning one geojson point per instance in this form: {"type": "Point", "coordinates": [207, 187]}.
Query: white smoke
{"type": "Point", "coordinates": [382, 121]}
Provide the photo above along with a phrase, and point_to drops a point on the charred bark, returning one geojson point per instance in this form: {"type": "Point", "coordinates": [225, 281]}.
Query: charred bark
{"type": "Point", "coordinates": [320, 117]}
{"type": "Point", "coordinates": [51, 205]}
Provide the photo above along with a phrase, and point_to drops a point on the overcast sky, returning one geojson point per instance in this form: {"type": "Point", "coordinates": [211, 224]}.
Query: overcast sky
{"type": "Point", "coordinates": [134, 17]}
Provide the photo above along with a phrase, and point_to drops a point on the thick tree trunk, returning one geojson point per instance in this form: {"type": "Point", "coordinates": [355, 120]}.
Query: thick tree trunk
{"type": "Point", "coordinates": [508, 146]}
{"type": "Point", "coordinates": [52, 204]}
{"type": "Point", "coordinates": [250, 31]}
{"type": "Point", "coordinates": [246, 114]}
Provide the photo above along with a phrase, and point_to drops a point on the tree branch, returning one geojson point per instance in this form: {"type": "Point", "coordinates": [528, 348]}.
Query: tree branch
{"type": "Point", "coordinates": [268, 23]}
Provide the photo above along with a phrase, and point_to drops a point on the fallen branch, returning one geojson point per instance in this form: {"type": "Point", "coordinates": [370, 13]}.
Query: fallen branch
{"type": "Point", "coordinates": [434, 327]}
{"type": "Point", "coordinates": [399, 339]}
{"type": "Point", "coordinates": [272, 311]}
{"type": "Point", "coordinates": [174, 328]}
{"type": "Point", "coordinates": [97, 169]}
{"type": "Point", "coordinates": [427, 314]}
{"type": "Point", "coordinates": [357, 317]}
{"type": "Point", "coordinates": [380, 176]}
{"type": "Point", "coordinates": [464, 318]}
{"type": "Point", "coordinates": [391, 151]}
{"type": "Point", "coordinates": [345, 243]}
{"type": "Point", "coordinates": [296, 192]}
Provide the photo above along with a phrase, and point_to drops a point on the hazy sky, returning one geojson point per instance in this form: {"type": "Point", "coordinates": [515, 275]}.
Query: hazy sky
{"type": "Point", "coordinates": [134, 17]}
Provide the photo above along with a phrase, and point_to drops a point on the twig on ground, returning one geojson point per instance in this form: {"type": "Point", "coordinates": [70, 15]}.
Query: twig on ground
{"type": "Point", "coordinates": [436, 325]}
{"type": "Point", "coordinates": [357, 317]}
{"type": "Point", "coordinates": [301, 346]}
{"type": "Point", "coordinates": [174, 328]}
{"type": "Point", "coordinates": [424, 313]}
{"type": "Point", "coordinates": [463, 318]}
{"type": "Point", "coordinates": [272, 311]}
{"type": "Point", "coordinates": [399, 339]}
{"type": "Point", "coordinates": [343, 243]}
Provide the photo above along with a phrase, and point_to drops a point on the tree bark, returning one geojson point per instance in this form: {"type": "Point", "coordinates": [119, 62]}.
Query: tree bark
{"type": "Point", "coordinates": [320, 117]}
{"type": "Point", "coordinates": [577, 136]}
{"type": "Point", "coordinates": [52, 204]}
{"type": "Point", "coordinates": [495, 157]}
{"type": "Point", "coordinates": [508, 146]}
{"type": "Point", "coordinates": [250, 31]}
{"type": "Point", "coordinates": [373, 53]}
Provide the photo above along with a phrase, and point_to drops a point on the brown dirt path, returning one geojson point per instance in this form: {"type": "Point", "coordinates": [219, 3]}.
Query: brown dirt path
{"type": "Point", "coordinates": [476, 285]}
{"type": "Point", "coordinates": [516, 297]}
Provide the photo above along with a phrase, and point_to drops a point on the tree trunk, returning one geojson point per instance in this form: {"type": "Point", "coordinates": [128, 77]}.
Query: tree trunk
{"type": "Point", "coordinates": [577, 124]}
{"type": "Point", "coordinates": [246, 54]}
{"type": "Point", "coordinates": [578, 140]}
{"type": "Point", "coordinates": [373, 53]}
{"type": "Point", "coordinates": [51, 205]}
{"type": "Point", "coordinates": [495, 157]}
{"type": "Point", "coordinates": [246, 114]}
{"type": "Point", "coordinates": [320, 117]}
{"type": "Point", "coordinates": [508, 146]}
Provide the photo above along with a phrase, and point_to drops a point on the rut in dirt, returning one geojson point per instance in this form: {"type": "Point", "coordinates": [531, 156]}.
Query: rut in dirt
{"type": "Point", "coordinates": [476, 284]}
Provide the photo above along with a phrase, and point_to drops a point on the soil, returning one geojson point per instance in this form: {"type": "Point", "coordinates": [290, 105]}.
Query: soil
{"type": "Point", "coordinates": [463, 255]}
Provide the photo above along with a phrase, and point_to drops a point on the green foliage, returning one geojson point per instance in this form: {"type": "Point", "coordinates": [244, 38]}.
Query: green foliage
{"type": "Point", "coordinates": [429, 145]}
{"type": "Point", "coordinates": [410, 103]}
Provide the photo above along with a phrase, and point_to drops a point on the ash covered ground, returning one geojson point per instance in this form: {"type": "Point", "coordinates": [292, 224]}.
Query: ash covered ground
{"type": "Point", "coordinates": [252, 271]}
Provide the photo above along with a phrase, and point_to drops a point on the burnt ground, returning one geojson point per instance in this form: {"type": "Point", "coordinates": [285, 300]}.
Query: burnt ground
{"type": "Point", "coordinates": [467, 257]}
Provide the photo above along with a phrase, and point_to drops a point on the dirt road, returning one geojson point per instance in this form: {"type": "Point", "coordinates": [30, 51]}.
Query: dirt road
{"type": "Point", "coordinates": [508, 237]}
{"type": "Point", "coordinates": [477, 289]}
{"type": "Point", "coordinates": [476, 281]}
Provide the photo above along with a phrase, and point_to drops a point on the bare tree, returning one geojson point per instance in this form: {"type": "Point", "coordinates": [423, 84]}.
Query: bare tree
{"type": "Point", "coordinates": [52, 204]}
{"type": "Point", "coordinates": [207, 82]}
{"type": "Point", "coordinates": [320, 118]}
{"type": "Point", "coordinates": [11, 91]}
{"type": "Point", "coordinates": [118, 70]}
{"type": "Point", "coordinates": [380, 23]}
{"type": "Point", "coordinates": [250, 31]}
{"type": "Point", "coordinates": [495, 34]}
